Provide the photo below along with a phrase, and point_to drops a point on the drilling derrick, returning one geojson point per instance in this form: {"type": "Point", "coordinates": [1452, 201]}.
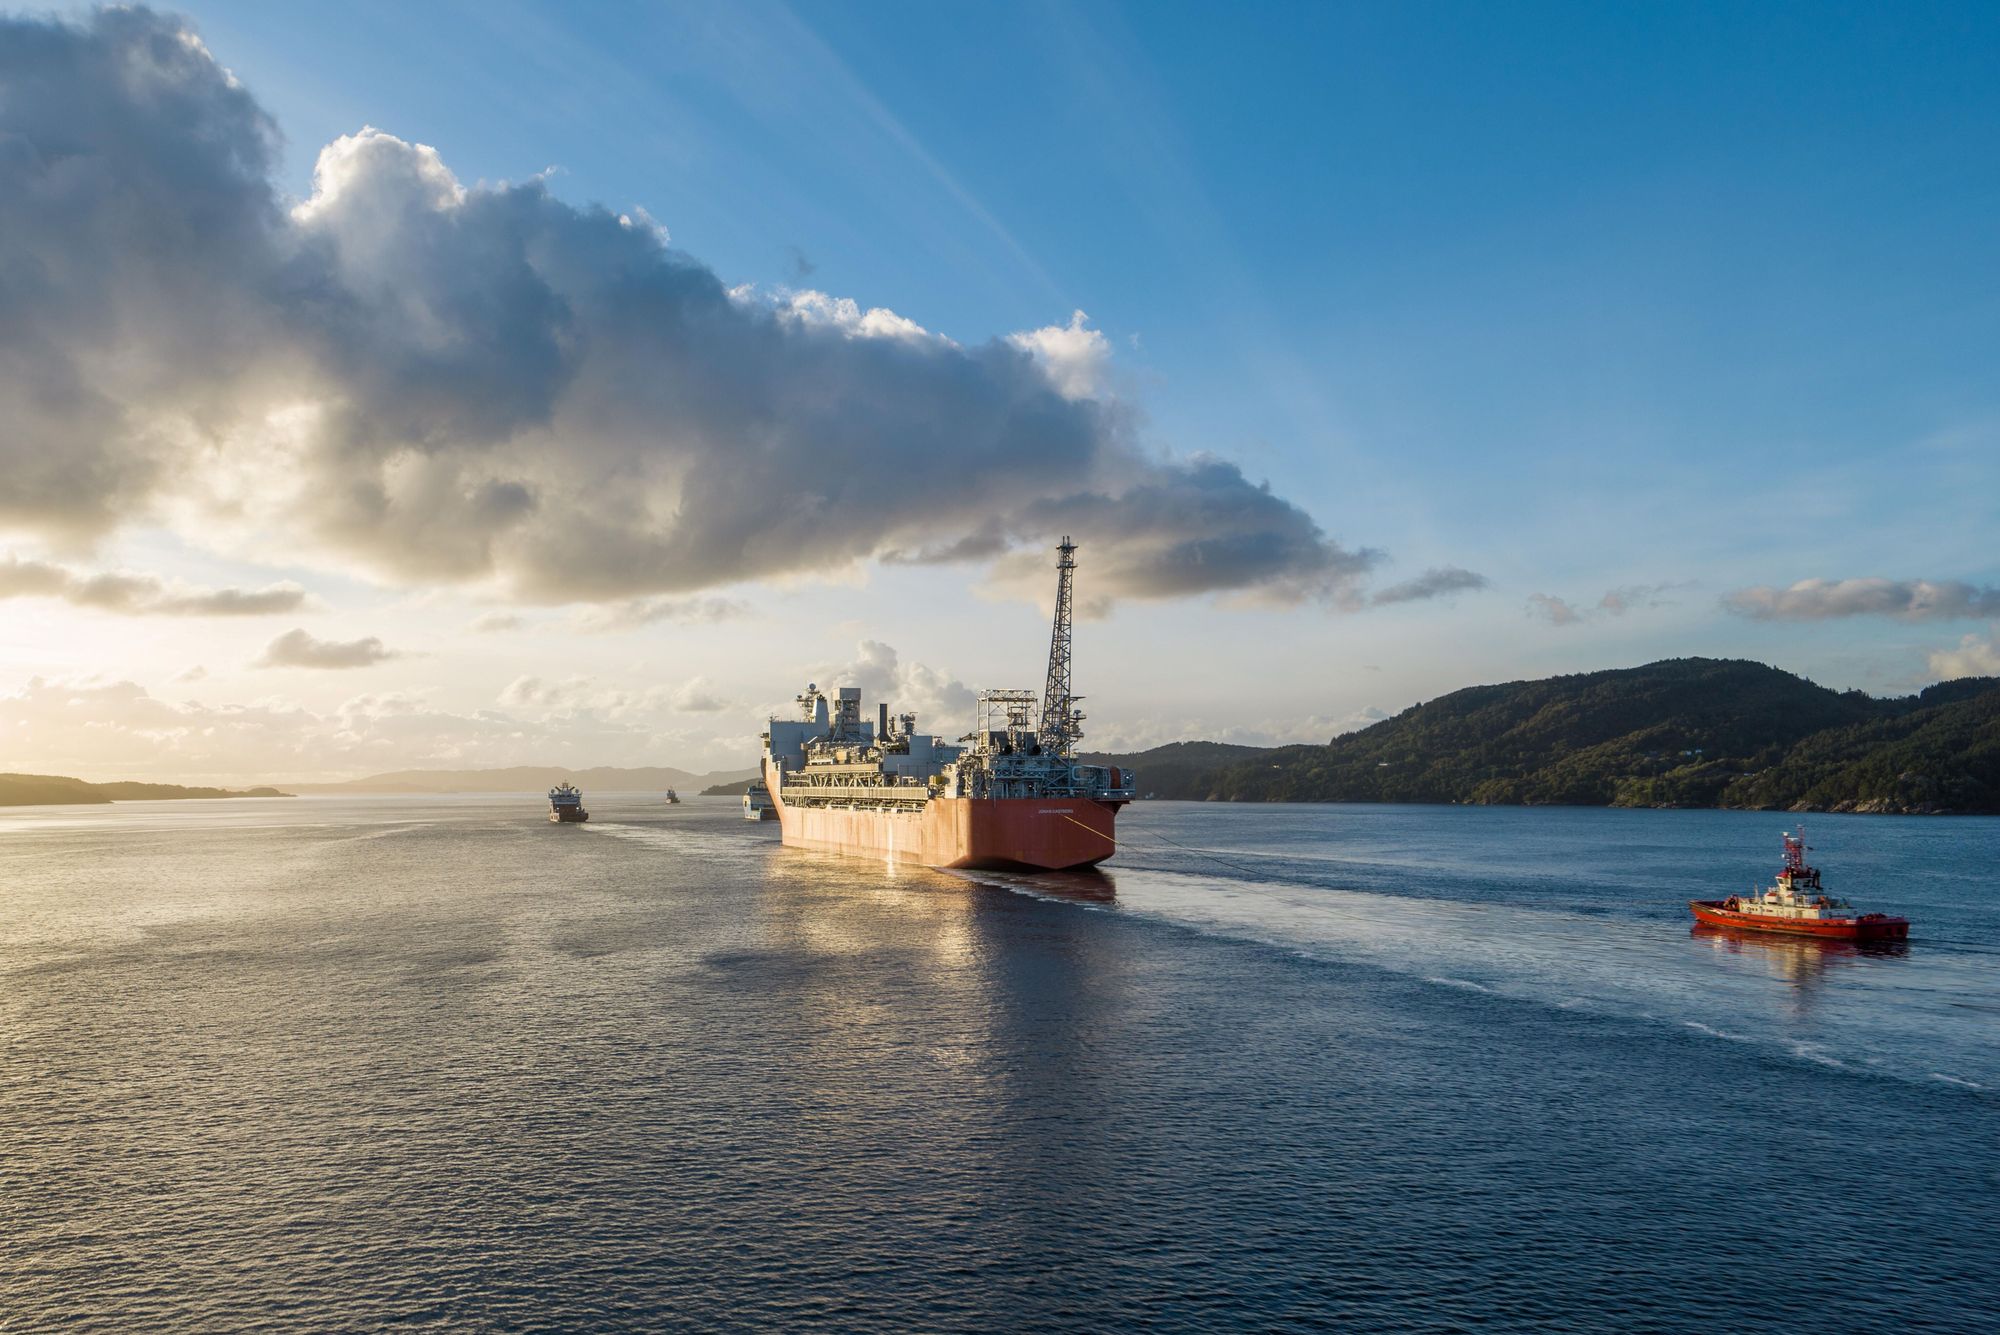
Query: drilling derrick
{"type": "Point", "coordinates": [1060, 719]}
{"type": "Point", "coordinates": [1011, 794]}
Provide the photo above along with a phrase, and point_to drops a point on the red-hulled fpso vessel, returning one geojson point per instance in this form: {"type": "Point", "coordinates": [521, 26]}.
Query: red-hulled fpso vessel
{"type": "Point", "coordinates": [1011, 795]}
{"type": "Point", "coordinates": [1797, 905]}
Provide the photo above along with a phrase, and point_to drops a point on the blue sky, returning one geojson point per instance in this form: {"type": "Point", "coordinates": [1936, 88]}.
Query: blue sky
{"type": "Point", "coordinates": [1460, 262]}
{"type": "Point", "coordinates": [1671, 299]}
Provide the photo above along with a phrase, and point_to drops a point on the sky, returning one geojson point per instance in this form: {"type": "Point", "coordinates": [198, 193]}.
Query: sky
{"type": "Point", "coordinates": [483, 384]}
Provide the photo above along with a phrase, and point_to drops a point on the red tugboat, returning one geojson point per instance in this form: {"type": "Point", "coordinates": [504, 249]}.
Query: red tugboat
{"type": "Point", "coordinates": [1798, 906]}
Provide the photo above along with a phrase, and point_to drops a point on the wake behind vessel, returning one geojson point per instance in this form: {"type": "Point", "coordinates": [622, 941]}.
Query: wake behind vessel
{"type": "Point", "coordinates": [1011, 794]}
{"type": "Point", "coordinates": [1797, 904]}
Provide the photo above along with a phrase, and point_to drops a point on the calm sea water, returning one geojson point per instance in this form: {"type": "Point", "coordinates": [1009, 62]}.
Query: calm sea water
{"type": "Point", "coordinates": [435, 1063]}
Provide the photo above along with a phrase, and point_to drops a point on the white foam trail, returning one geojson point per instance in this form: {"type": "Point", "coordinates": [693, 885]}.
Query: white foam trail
{"type": "Point", "coordinates": [1811, 1052]}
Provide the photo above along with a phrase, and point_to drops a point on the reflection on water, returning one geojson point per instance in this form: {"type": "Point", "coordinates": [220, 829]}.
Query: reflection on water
{"type": "Point", "coordinates": [1804, 964]}
{"type": "Point", "coordinates": [1091, 886]}
{"type": "Point", "coordinates": [438, 1063]}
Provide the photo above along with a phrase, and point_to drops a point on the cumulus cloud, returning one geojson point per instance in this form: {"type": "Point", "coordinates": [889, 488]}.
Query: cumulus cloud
{"type": "Point", "coordinates": [697, 696]}
{"type": "Point", "coordinates": [1073, 356]}
{"type": "Point", "coordinates": [443, 383]}
{"type": "Point", "coordinates": [297, 649]}
{"type": "Point", "coordinates": [1903, 599]}
{"type": "Point", "coordinates": [843, 315]}
{"type": "Point", "coordinates": [530, 692]}
{"type": "Point", "coordinates": [493, 622]}
{"type": "Point", "coordinates": [1198, 527]}
{"type": "Point", "coordinates": [942, 703]}
{"type": "Point", "coordinates": [1974, 657]}
{"type": "Point", "coordinates": [1433, 583]}
{"type": "Point", "coordinates": [141, 595]}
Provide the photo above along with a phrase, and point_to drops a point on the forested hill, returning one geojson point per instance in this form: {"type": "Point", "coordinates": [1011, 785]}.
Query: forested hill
{"type": "Point", "coordinates": [1178, 769]}
{"type": "Point", "coordinates": [1692, 732]}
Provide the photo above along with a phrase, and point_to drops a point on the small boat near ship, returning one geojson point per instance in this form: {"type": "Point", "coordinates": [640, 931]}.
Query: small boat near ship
{"type": "Point", "coordinates": [566, 805]}
{"type": "Point", "coordinates": [757, 802]}
{"type": "Point", "coordinates": [1798, 905]}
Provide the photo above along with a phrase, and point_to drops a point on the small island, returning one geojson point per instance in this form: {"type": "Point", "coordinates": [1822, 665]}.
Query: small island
{"type": "Point", "coordinates": [37, 790]}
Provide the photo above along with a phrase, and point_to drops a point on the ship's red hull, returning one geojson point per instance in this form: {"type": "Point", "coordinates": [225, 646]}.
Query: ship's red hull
{"type": "Point", "coordinates": [1017, 834]}
{"type": "Point", "coordinates": [1867, 927]}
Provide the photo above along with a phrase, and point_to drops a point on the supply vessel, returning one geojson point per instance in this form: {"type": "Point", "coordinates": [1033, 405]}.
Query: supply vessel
{"type": "Point", "coordinates": [566, 804]}
{"type": "Point", "coordinates": [757, 802]}
{"type": "Point", "coordinates": [1010, 795]}
{"type": "Point", "coordinates": [1797, 904]}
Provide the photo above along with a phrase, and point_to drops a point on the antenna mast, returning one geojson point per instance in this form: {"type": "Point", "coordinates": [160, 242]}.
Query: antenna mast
{"type": "Point", "coordinates": [1059, 717]}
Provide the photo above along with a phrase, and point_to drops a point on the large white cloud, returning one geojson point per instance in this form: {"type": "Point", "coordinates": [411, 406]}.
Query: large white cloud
{"type": "Point", "coordinates": [437, 382]}
{"type": "Point", "coordinates": [943, 704]}
{"type": "Point", "coordinates": [1973, 657]}
{"type": "Point", "coordinates": [1075, 356]}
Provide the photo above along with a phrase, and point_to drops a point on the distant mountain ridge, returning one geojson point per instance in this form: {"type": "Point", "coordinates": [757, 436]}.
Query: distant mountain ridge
{"type": "Point", "coordinates": [35, 790]}
{"type": "Point", "coordinates": [1685, 732]}
{"type": "Point", "coordinates": [526, 779]}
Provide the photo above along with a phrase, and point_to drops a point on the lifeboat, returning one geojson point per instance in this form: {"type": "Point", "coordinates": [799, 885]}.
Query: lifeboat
{"type": "Point", "coordinates": [1798, 905]}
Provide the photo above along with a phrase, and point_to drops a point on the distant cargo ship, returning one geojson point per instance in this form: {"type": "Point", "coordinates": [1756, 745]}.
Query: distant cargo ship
{"type": "Point", "coordinates": [1797, 904]}
{"type": "Point", "coordinates": [757, 802]}
{"type": "Point", "coordinates": [1012, 796]}
{"type": "Point", "coordinates": [566, 804]}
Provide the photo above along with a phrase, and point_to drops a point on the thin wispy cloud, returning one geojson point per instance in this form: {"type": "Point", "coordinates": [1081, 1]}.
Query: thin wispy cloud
{"type": "Point", "coordinates": [141, 595]}
{"type": "Point", "coordinates": [1433, 583]}
{"type": "Point", "coordinates": [1556, 611]}
{"type": "Point", "coordinates": [117, 729]}
{"type": "Point", "coordinates": [532, 692]}
{"type": "Point", "coordinates": [1614, 603]}
{"type": "Point", "coordinates": [634, 613]}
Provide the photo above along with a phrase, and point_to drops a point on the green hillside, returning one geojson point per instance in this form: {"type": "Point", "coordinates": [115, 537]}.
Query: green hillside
{"type": "Point", "coordinates": [1178, 769]}
{"type": "Point", "coordinates": [1683, 732]}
